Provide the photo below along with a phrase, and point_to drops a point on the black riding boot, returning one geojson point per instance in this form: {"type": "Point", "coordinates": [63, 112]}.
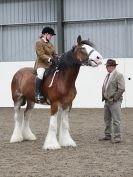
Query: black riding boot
{"type": "Point", "coordinates": [38, 96]}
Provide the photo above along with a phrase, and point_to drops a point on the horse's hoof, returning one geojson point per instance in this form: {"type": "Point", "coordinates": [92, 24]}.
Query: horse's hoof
{"type": "Point", "coordinates": [68, 143]}
{"type": "Point", "coordinates": [16, 139]}
{"type": "Point", "coordinates": [29, 136]}
{"type": "Point", "coordinates": [53, 147]}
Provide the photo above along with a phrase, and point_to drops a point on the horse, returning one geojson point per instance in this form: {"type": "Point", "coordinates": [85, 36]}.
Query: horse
{"type": "Point", "coordinates": [59, 89]}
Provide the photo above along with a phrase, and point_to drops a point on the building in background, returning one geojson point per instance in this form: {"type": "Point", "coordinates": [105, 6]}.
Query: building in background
{"type": "Point", "coordinates": [108, 23]}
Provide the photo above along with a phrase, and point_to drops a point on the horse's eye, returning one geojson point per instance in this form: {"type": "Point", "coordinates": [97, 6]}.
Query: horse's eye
{"type": "Point", "coordinates": [82, 49]}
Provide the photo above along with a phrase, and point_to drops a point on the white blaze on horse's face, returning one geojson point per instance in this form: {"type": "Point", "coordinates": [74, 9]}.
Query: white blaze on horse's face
{"type": "Point", "coordinates": [94, 57]}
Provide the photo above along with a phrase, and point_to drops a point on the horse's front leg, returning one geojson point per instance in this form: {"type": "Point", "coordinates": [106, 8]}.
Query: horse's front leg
{"type": "Point", "coordinates": [51, 138]}
{"type": "Point", "coordinates": [65, 138]}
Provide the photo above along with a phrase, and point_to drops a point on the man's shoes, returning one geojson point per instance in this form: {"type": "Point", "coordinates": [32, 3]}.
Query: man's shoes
{"type": "Point", "coordinates": [116, 140]}
{"type": "Point", "coordinates": [113, 141]}
{"type": "Point", "coordinates": [106, 138]}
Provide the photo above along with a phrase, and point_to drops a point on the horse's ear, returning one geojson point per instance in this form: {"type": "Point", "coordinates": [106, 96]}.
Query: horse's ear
{"type": "Point", "coordinates": [79, 39]}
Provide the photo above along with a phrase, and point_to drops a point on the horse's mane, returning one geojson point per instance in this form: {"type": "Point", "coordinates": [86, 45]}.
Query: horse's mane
{"type": "Point", "coordinates": [88, 42]}
{"type": "Point", "coordinates": [66, 61]}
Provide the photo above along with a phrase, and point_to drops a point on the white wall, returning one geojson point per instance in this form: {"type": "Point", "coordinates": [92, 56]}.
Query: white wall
{"type": "Point", "coordinates": [88, 83]}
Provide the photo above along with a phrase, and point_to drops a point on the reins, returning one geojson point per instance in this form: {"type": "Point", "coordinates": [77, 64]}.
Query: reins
{"type": "Point", "coordinates": [51, 83]}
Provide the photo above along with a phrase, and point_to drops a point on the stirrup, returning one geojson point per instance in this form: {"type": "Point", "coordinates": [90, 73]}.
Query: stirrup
{"type": "Point", "coordinates": [39, 98]}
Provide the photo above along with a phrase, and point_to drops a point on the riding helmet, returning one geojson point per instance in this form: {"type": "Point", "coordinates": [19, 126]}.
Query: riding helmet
{"type": "Point", "coordinates": [48, 30]}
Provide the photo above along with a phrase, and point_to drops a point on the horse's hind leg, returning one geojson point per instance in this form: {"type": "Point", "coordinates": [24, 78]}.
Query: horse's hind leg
{"type": "Point", "coordinates": [26, 131]}
{"type": "Point", "coordinates": [17, 133]}
{"type": "Point", "coordinates": [65, 138]}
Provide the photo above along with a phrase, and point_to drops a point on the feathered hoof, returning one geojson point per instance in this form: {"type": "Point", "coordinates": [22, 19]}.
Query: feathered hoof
{"type": "Point", "coordinates": [15, 139]}
{"type": "Point", "coordinates": [51, 146]}
{"type": "Point", "coordinates": [29, 137]}
{"type": "Point", "coordinates": [68, 143]}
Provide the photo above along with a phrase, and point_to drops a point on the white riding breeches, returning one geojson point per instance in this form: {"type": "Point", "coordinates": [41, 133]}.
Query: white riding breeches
{"type": "Point", "coordinates": [40, 73]}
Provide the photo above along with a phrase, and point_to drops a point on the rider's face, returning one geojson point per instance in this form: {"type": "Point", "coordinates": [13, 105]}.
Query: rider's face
{"type": "Point", "coordinates": [49, 36]}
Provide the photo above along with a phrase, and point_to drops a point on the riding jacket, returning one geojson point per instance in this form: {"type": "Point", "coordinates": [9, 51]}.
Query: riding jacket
{"type": "Point", "coordinates": [44, 51]}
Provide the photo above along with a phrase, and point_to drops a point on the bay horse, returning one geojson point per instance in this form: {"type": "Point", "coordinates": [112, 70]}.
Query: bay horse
{"type": "Point", "coordinates": [59, 89]}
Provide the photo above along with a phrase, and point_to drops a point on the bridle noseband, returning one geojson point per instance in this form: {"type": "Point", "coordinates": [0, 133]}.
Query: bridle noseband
{"type": "Point", "coordinates": [90, 53]}
{"type": "Point", "coordinates": [88, 59]}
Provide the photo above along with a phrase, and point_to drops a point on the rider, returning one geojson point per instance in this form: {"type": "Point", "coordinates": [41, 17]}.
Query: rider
{"type": "Point", "coordinates": [45, 52]}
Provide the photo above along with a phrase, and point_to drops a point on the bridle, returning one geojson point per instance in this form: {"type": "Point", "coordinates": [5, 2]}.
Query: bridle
{"type": "Point", "coordinates": [90, 53]}
{"type": "Point", "coordinates": [88, 59]}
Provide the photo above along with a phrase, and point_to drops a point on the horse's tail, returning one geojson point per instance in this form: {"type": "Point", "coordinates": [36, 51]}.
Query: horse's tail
{"type": "Point", "coordinates": [16, 89]}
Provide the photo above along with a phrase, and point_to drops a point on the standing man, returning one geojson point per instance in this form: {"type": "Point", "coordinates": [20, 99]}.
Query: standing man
{"type": "Point", "coordinates": [46, 54]}
{"type": "Point", "coordinates": [112, 91]}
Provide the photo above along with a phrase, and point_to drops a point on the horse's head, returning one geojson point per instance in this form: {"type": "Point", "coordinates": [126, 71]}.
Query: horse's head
{"type": "Point", "coordinates": [86, 53]}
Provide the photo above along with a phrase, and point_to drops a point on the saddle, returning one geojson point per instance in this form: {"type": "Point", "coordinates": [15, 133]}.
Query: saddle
{"type": "Point", "coordinates": [49, 71]}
